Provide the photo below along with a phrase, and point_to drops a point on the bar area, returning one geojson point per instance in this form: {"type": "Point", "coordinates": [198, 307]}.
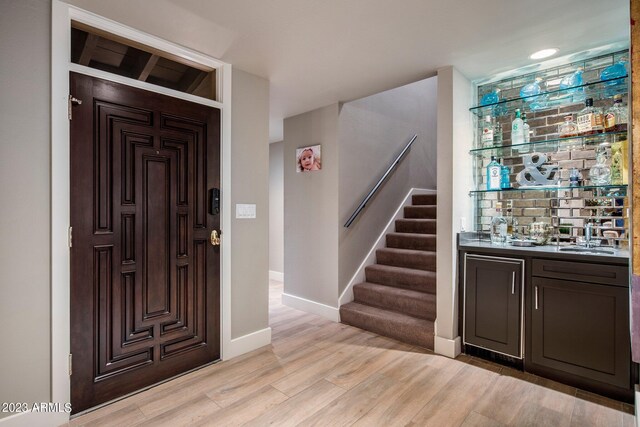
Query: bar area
{"type": "Point", "coordinates": [544, 275]}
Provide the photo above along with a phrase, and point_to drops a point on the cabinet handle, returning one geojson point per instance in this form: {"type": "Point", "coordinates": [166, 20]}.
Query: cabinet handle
{"type": "Point", "coordinates": [536, 297]}
{"type": "Point", "coordinates": [513, 283]}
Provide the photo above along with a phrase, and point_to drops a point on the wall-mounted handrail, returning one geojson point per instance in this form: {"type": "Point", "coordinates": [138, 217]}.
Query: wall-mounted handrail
{"type": "Point", "coordinates": [379, 183]}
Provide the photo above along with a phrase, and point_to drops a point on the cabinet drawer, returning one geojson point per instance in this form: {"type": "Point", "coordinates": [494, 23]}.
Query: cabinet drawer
{"type": "Point", "coordinates": [581, 272]}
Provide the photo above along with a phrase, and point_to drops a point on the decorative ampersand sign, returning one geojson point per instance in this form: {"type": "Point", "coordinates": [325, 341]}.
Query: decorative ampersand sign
{"type": "Point", "coordinates": [535, 174]}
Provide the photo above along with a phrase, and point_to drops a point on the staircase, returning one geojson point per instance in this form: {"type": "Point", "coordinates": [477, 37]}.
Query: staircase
{"type": "Point", "coordinates": [398, 298]}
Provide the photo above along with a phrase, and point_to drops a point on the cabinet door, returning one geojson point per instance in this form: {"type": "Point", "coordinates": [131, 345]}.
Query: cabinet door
{"type": "Point", "coordinates": [493, 303]}
{"type": "Point", "coordinates": [582, 329]}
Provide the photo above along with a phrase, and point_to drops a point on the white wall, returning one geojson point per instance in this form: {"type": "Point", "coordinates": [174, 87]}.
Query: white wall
{"type": "Point", "coordinates": [372, 132]}
{"type": "Point", "coordinates": [276, 207]}
{"type": "Point", "coordinates": [250, 184]}
{"type": "Point", "coordinates": [311, 209]}
{"type": "Point", "coordinates": [25, 28]}
{"type": "Point", "coordinates": [455, 138]}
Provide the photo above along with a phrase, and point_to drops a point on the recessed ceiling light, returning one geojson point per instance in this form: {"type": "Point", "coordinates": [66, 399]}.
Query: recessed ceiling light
{"type": "Point", "coordinates": [544, 53]}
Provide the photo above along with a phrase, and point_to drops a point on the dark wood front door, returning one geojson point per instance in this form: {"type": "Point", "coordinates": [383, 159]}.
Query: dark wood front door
{"type": "Point", "coordinates": [144, 275]}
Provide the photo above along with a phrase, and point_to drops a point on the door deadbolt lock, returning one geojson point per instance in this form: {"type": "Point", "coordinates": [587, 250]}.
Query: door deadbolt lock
{"type": "Point", "coordinates": [215, 238]}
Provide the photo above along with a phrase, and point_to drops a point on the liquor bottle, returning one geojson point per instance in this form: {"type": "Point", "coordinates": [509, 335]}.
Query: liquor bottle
{"type": "Point", "coordinates": [512, 224]}
{"type": "Point", "coordinates": [487, 132]}
{"type": "Point", "coordinates": [616, 117]}
{"type": "Point", "coordinates": [590, 119]}
{"type": "Point", "coordinates": [504, 177]}
{"type": "Point", "coordinates": [600, 173]}
{"type": "Point", "coordinates": [498, 227]}
{"type": "Point", "coordinates": [494, 174]}
{"type": "Point", "coordinates": [619, 160]}
{"type": "Point", "coordinates": [517, 131]}
{"type": "Point", "coordinates": [574, 177]}
{"type": "Point", "coordinates": [525, 131]}
{"type": "Point", "coordinates": [569, 128]}
{"type": "Point", "coordinates": [497, 132]}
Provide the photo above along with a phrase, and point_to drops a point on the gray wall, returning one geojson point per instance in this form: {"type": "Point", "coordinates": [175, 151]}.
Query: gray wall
{"type": "Point", "coordinates": [25, 156]}
{"type": "Point", "coordinates": [311, 209]}
{"type": "Point", "coordinates": [276, 207]}
{"type": "Point", "coordinates": [250, 184]}
{"type": "Point", "coordinates": [372, 132]}
{"type": "Point", "coordinates": [25, 40]}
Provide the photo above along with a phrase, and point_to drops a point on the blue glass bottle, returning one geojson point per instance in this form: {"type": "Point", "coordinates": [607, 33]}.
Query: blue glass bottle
{"type": "Point", "coordinates": [493, 98]}
{"type": "Point", "coordinates": [613, 77]}
{"type": "Point", "coordinates": [529, 92]}
{"type": "Point", "coordinates": [490, 98]}
{"type": "Point", "coordinates": [569, 84]}
{"type": "Point", "coordinates": [615, 71]}
{"type": "Point", "coordinates": [494, 174]}
{"type": "Point", "coordinates": [504, 177]}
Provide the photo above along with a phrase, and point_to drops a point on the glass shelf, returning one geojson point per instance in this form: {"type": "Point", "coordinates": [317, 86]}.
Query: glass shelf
{"type": "Point", "coordinates": [556, 97]}
{"type": "Point", "coordinates": [612, 188]}
{"type": "Point", "coordinates": [549, 145]}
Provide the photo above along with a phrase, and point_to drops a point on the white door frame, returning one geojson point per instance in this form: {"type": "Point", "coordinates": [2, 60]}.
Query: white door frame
{"type": "Point", "coordinates": [61, 65]}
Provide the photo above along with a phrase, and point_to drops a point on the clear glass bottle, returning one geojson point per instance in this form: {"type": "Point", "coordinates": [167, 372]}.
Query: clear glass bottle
{"type": "Point", "coordinates": [487, 132]}
{"type": "Point", "coordinates": [512, 225]}
{"type": "Point", "coordinates": [600, 173]}
{"type": "Point", "coordinates": [569, 128]}
{"type": "Point", "coordinates": [498, 227]}
{"type": "Point", "coordinates": [617, 116]}
{"type": "Point", "coordinates": [590, 119]}
{"type": "Point", "coordinates": [494, 174]}
{"type": "Point", "coordinates": [517, 131]}
{"type": "Point", "coordinates": [497, 132]}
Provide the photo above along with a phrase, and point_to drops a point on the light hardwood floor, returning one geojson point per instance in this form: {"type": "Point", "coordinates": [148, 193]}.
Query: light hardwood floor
{"type": "Point", "coordinates": [320, 373]}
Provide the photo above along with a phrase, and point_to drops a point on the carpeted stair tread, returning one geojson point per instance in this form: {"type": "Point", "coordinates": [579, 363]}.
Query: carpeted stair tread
{"type": "Point", "coordinates": [408, 258]}
{"type": "Point", "coordinates": [423, 211]}
{"type": "Point", "coordinates": [416, 225]}
{"type": "Point", "coordinates": [408, 278]}
{"type": "Point", "coordinates": [417, 241]}
{"type": "Point", "coordinates": [413, 303]}
{"type": "Point", "coordinates": [389, 323]}
{"type": "Point", "coordinates": [424, 199]}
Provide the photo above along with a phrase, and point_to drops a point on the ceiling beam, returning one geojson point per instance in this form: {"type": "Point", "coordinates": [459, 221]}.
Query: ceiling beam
{"type": "Point", "coordinates": [191, 80]}
{"type": "Point", "coordinates": [90, 44]}
{"type": "Point", "coordinates": [145, 65]}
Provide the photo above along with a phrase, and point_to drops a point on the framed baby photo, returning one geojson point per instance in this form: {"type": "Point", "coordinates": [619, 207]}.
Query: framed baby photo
{"type": "Point", "coordinates": [308, 159]}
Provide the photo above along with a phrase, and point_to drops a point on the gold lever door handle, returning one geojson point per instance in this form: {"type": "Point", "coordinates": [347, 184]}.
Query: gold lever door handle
{"type": "Point", "coordinates": [215, 238]}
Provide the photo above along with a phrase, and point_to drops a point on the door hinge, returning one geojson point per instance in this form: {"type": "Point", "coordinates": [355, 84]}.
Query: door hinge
{"type": "Point", "coordinates": [70, 238]}
{"type": "Point", "coordinates": [72, 101]}
{"type": "Point", "coordinates": [70, 364]}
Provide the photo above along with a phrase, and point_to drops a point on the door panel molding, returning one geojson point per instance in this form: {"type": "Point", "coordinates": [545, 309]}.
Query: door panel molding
{"type": "Point", "coordinates": [62, 13]}
{"type": "Point", "coordinates": [170, 303]}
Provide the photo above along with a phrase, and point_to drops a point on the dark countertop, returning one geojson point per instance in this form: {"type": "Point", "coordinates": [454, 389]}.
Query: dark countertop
{"type": "Point", "coordinates": [471, 242]}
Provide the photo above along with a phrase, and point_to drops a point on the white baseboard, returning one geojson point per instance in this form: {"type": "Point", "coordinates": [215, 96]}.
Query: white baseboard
{"type": "Point", "coordinates": [40, 419]}
{"type": "Point", "coordinates": [359, 276]}
{"type": "Point", "coordinates": [326, 311]}
{"type": "Point", "coordinates": [637, 403]}
{"type": "Point", "coordinates": [447, 347]}
{"type": "Point", "coordinates": [276, 275]}
{"type": "Point", "coordinates": [247, 343]}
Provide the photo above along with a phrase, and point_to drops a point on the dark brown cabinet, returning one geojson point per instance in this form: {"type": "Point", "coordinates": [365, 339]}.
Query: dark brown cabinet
{"type": "Point", "coordinates": [579, 328]}
{"type": "Point", "coordinates": [559, 315]}
{"type": "Point", "coordinates": [493, 303]}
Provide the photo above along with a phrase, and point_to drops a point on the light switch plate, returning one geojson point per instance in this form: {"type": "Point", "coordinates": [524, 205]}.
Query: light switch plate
{"type": "Point", "coordinates": [245, 211]}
